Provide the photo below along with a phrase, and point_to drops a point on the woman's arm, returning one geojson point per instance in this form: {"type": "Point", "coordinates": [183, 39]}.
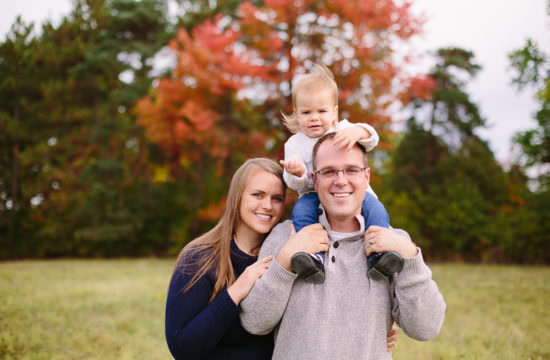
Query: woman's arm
{"type": "Point", "coordinates": [193, 327]}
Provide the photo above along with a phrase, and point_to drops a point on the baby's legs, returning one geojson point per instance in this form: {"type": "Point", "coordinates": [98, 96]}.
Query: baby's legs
{"type": "Point", "coordinates": [381, 265]}
{"type": "Point", "coordinates": [308, 266]}
{"type": "Point", "coordinates": [305, 211]}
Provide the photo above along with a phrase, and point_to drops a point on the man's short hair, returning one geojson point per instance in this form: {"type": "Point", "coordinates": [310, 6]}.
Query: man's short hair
{"type": "Point", "coordinates": [331, 135]}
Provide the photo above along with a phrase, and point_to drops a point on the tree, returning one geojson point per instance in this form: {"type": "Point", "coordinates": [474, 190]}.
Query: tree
{"type": "Point", "coordinates": [18, 75]}
{"type": "Point", "coordinates": [233, 76]}
{"type": "Point", "coordinates": [87, 165]}
{"type": "Point", "coordinates": [532, 68]}
{"type": "Point", "coordinates": [444, 175]}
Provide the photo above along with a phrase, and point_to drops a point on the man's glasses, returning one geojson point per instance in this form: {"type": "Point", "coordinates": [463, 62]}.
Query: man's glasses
{"type": "Point", "coordinates": [350, 172]}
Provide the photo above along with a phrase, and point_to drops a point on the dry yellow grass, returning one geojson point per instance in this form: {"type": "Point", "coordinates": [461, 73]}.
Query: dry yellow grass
{"type": "Point", "coordinates": [114, 309]}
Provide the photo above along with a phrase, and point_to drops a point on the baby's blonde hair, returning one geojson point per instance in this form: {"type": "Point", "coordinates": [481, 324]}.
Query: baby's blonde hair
{"type": "Point", "coordinates": [318, 79]}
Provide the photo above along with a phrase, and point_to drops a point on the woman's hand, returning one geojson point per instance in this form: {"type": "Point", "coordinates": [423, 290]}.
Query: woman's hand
{"type": "Point", "coordinates": [380, 239]}
{"type": "Point", "coordinates": [391, 338]}
{"type": "Point", "coordinates": [311, 239]}
{"type": "Point", "coordinates": [241, 287]}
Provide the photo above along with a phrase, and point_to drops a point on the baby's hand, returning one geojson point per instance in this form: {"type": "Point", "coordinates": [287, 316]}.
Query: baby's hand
{"type": "Point", "coordinates": [346, 138]}
{"type": "Point", "coordinates": [294, 166]}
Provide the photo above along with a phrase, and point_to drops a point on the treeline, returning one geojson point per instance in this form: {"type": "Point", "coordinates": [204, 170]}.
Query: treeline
{"type": "Point", "coordinates": [103, 152]}
{"type": "Point", "coordinates": [445, 186]}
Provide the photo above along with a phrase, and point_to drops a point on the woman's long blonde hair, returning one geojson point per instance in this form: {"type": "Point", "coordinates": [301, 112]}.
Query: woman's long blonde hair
{"type": "Point", "coordinates": [213, 249]}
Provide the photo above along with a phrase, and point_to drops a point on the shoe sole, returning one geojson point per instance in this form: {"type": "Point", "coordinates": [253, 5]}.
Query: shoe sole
{"type": "Point", "coordinates": [388, 264]}
{"type": "Point", "coordinates": [304, 265]}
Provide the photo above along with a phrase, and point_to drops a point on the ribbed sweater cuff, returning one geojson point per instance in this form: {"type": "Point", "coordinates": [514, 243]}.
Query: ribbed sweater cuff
{"type": "Point", "coordinates": [225, 305]}
{"type": "Point", "coordinates": [282, 275]}
{"type": "Point", "coordinates": [413, 267]}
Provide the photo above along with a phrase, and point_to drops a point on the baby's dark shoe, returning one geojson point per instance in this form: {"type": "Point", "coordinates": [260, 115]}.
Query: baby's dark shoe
{"type": "Point", "coordinates": [308, 267]}
{"type": "Point", "coordinates": [383, 265]}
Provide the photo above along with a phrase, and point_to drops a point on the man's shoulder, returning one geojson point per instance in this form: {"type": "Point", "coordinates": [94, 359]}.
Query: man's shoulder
{"type": "Point", "coordinates": [276, 238]}
{"type": "Point", "coordinates": [282, 228]}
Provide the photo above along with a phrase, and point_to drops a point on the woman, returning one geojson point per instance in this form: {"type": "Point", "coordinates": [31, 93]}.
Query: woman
{"type": "Point", "coordinates": [217, 270]}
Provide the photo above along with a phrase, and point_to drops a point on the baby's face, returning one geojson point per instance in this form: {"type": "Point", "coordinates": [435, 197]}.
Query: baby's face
{"type": "Point", "coordinates": [316, 113]}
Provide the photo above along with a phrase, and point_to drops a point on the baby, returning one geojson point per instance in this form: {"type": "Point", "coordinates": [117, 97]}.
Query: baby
{"type": "Point", "coordinates": [315, 112]}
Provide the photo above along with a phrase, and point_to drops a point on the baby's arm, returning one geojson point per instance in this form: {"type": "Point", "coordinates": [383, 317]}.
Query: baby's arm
{"type": "Point", "coordinates": [294, 167]}
{"type": "Point", "coordinates": [295, 172]}
{"type": "Point", "coordinates": [347, 134]}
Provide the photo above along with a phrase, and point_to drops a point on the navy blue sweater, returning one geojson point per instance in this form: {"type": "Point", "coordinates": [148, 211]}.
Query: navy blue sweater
{"type": "Point", "coordinates": [196, 329]}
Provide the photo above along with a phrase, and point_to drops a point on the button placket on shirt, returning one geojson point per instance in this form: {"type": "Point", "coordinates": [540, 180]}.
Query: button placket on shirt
{"type": "Point", "coordinates": [335, 246]}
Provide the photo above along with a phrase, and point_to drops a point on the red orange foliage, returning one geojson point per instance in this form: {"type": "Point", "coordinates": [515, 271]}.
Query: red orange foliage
{"type": "Point", "coordinates": [204, 110]}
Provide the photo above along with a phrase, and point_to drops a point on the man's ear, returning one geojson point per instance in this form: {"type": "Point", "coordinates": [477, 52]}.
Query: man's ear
{"type": "Point", "coordinates": [314, 179]}
{"type": "Point", "coordinates": [367, 174]}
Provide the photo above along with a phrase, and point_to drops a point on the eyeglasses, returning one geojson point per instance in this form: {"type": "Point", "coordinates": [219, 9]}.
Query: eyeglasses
{"type": "Point", "coordinates": [350, 172]}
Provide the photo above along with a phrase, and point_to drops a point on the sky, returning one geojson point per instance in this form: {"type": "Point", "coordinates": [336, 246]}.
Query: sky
{"type": "Point", "coordinates": [489, 28]}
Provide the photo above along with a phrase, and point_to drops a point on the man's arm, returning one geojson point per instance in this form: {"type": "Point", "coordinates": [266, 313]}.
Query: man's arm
{"type": "Point", "coordinates": [417, 305]}
{"type": "Point", "coordinates": [264, 306]}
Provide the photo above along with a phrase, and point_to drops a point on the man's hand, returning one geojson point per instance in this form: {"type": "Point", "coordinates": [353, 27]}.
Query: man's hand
{"type": "Point", "coordinates": [311, 239]}
{"type": "Point", "coordinates": [346, 138]}
{"type": "Point", "coordinates": [380, 239]}
{"type": "Point", "coordinates": [294, 166]}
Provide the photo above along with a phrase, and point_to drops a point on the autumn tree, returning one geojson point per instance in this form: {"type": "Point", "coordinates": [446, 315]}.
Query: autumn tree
{"type": "Point", "coordinates": [233, 76]}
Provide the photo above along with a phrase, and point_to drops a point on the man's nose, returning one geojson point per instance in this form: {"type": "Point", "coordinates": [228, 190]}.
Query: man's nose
{"type": "Point", "coordinates": [340, 177]}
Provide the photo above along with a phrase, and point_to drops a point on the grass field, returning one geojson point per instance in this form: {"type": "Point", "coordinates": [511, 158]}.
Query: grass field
{"type": "Point", "coordinates": [114, 309]}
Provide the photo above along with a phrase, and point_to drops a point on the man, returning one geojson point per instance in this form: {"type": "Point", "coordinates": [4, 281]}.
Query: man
{"type": "Point", "coordinates": [347, 316]}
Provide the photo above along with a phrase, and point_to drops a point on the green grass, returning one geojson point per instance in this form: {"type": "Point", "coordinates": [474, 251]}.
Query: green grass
{"type": "Point", "coordinates": [114, 309]}
{"type": "Point", "coordinates": [493, 312]}
{"type": "Point", "coordinates": [83, 309]}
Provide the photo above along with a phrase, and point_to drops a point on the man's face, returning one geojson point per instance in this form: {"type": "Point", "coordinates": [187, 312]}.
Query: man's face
{"type": "Point", "coordinates": [341, 195]}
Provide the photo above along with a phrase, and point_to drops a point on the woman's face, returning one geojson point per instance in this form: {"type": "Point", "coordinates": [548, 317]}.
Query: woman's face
{"type": "Point", "coordinates": [261, 203]}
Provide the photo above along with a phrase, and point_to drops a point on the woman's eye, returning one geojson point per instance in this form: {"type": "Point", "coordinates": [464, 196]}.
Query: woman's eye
{"type": "Point", "coordinates": [257, 195]}
{"type": "Point", "coordinates": [278, 199]}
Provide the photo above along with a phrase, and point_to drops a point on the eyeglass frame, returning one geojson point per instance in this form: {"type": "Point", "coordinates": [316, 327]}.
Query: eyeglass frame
{"type": "Point", "coordinates": [337, 171]}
